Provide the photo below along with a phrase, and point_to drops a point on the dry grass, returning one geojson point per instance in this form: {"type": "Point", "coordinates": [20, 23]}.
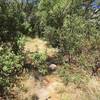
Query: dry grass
{"type": "Point", "coordinates": [89, 91]}
{"type": "Point", "coordinates": [54, 88]}
{"type": "Point", "coordinates": [24, 87]}
{"type": "Point", "coordinates": [40, 45]}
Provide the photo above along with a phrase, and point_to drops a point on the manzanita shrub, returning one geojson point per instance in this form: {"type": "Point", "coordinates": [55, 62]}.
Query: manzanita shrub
{"type": "Point", "coordinates": [10, 66]}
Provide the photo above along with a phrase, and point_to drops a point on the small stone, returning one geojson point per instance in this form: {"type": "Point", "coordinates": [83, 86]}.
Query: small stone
{"type": "Point", "coordinates": [52, 67]}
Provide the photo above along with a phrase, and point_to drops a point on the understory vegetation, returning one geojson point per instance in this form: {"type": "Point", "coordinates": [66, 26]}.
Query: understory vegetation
{"type": "Point", "coordinates": [68, 26]}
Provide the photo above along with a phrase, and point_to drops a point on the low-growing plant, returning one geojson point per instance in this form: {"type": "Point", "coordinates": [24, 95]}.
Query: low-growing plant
{"type": "Point", "coordinates": [63, 72]}
{"type": "Point", "coordinates": [68, 74]}
{"type": "Point", "coordinates": [79, 79]}
{"type": "Point", "coordinates": [39, 60]}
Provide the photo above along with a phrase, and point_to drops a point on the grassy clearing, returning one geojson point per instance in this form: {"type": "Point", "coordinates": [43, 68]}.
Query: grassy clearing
{"type": "Point", "coordinates": [40, 45]}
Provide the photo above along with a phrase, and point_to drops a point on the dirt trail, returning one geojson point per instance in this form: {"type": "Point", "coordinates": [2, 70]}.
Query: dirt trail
{"type": "Point", "coordinates": [54, 89]}
{"type": "Point", "coordinates": [43, 90]}
{"type": "Point", "coordinates": [46, 89]}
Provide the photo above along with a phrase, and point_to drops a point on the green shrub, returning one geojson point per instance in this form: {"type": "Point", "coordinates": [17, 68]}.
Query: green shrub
{"type": "Point", "coordinates": [63, 72]}
{"type": "Point", "coordinates": [13, 19]}
{"type": "Point", "coordinates": [66, 27]}
{"type": "Point", "coordinates": [9, 62]}
{"type": "Point", "coordinates": [52, 36]}
{"type": "Point", "coordinates": [10, 66]}
{"type": "Point", "coordinates": [68, 74]}
{"type": "Point", "coordinates": [4, 82]}
{"type": "Point", "coordinates": [39, 60]}
{"type": "Point", "coordinates": [18, 44]}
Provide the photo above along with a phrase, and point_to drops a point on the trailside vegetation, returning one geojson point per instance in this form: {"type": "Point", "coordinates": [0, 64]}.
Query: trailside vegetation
{"type": "Point", "coordinates": [71, 26]}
